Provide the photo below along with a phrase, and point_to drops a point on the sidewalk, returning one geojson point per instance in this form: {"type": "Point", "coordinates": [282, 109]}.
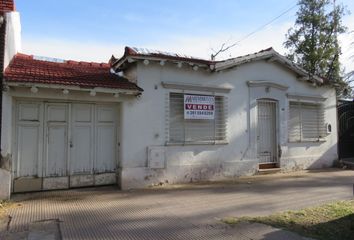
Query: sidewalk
{"type": "Point", "coordinates": [177, 212]}
{"type": "Point", "coordinates": [50, 230]}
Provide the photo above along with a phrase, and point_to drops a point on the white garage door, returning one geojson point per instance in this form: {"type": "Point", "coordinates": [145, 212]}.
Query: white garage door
{"type": "Point", "coordinates": [63, 145]}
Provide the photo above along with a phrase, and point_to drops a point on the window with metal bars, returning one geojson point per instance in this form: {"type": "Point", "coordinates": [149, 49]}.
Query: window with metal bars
{"type": "Point", "coordinates": [184, 131]}
{"type": "Point", "coordinates": [306, 122]}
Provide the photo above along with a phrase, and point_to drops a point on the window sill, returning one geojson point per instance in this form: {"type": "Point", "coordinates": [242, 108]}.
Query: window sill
{"type": "Point", "coordinates": [322, 140]}
{"type": "Point", "coordinates": [197, 143]}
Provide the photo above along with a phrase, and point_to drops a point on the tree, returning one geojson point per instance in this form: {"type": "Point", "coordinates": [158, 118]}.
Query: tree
{"type": "Point", "coordinates": [349, 77]}
{"type": "Point", "coordinates": [313, 42]}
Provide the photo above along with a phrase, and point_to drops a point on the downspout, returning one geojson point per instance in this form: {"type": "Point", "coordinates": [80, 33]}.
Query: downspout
{"type": "Point", "coordinates": [2, 59]}
{"type": "Point", "coordinates": [248, 124]}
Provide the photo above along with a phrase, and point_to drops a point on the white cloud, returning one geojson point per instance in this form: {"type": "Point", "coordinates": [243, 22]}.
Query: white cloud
{"type": "Point", "coordinates": [63, 49]}
{"type": "Point", "coordinates": [195, 46]}
{"type": "Point", "coordinates": [273, 36]}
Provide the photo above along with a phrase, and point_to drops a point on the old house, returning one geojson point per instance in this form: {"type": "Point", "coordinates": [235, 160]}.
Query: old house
{"type": "Point", "coordinates": [266, 114]}
{"type": "Point", "coordinates": [153, 117]}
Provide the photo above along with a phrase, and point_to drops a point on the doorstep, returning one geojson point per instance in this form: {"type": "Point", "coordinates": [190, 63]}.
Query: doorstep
{"type": "Point", "coordinates": [269, 170]}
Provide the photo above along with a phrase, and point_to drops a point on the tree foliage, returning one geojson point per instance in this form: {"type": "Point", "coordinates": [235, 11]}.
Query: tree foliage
{"type": "Point", "coordinates": [313, 43]}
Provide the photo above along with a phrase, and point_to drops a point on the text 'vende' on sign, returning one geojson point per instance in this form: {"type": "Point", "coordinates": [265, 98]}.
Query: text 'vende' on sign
{"type": "Point", "coordinates": [199, 107]}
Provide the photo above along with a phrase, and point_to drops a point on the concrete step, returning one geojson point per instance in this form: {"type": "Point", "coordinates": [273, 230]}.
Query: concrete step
{"type": "Point", "coordinates": [267, 165]}
{"type": "Point", "coordinates": [348, 165]}
{"type": "Point", "coordinates": [268, 171]}
{"type": "Point", "coordinates": [345, 163]}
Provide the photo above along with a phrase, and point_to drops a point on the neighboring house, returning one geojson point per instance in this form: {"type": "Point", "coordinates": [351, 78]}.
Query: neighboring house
{"type": "Point", "coordinates": [154, 117]}
{"type": "Point", "coordinates": [60, 119]}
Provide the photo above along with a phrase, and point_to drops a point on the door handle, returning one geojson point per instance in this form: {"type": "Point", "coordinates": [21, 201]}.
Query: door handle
{"type": "Point", "coordinates": [71, 144]}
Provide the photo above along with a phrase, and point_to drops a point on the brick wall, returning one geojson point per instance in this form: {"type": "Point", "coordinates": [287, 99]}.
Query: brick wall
{"type": "Point", "coordinates": [7, 5]}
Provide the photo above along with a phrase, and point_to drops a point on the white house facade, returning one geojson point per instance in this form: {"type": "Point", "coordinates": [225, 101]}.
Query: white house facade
{"type": "Point", "coordinates": [153, 117]}
{"type": "Point", "coordinates": [268, 115]}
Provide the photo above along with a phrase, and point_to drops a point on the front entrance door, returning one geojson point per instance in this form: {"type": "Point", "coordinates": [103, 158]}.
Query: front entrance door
{"type": "Point", "coordinates": [266, 131]}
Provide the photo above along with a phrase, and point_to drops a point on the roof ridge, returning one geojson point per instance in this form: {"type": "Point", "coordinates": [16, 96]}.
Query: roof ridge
{"type": "Point", "coordinates": [24, 55]}
{"type": "Point", "coordinates": [68, 62]}
{"type": "Point", "coordinates": [147, 51]}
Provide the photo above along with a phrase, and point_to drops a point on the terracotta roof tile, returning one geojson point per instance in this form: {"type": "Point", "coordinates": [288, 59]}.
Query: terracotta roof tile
{"type": "Point", "coordinates": [25, 69]}
{"type": "Point", "coordinates": [143, 52]}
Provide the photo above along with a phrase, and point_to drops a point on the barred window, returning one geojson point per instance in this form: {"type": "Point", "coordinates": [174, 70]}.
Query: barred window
{"type": "Point", "coordinates": [184, 131]}
{"type": "Point", "coordinates": [306, 122]}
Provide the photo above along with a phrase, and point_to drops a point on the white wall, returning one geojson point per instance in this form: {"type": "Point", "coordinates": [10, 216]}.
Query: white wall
{"type": "Point", "coordinates": [12, 46]}
{"type": "Point", "coordinates": [6, 125]}
{"type": "Point", "coordinates": [144, 124]}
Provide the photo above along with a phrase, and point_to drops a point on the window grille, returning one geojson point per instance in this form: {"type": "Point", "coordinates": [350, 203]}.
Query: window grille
{"type": "Point", "coordinates": [306, 122]}
{"type": "Point", "coordinates": [184, 131]}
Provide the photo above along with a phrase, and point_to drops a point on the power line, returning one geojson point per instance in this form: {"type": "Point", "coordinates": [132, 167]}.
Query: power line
{"type": "Point", "coordinates": [222, 49]}
{"type": "Point", "coordinates": [265, 25]}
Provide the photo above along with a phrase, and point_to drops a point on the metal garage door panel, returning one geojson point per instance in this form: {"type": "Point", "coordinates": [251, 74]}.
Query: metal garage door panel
{"type": "Point", "coordinates": [105, 139]}
{"type": "Point", "coordinates": [105, 161]}
{"type": "Point", "coordinates": [29, 139]}
{"type": "Point", "coordinates": [28, 146]}
{"type": "Point", "coordinates": [106, 114]}
{"type": "Point", "coordinates": [81, 159]}
{"type": "Point", "coordinates": [56, 144]}
{"type": "Point", "coordinates": [29, 112]}
{"type": "Point", "coordinates": [57, 151]}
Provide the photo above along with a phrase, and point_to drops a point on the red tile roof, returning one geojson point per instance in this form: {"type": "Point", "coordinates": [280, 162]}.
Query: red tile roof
{"type": "Point", "coordinates": [146, 54]}
{"type": "Point", "coordinates": [155, 54]}
{"type": "Point", "coordinates": [25, 69]}
{"type": "Point", "coordinates": [143, 52]}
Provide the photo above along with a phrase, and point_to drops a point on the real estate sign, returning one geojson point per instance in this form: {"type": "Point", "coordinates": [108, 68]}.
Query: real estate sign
{"type": "Point", "coordinates": [199, 107]}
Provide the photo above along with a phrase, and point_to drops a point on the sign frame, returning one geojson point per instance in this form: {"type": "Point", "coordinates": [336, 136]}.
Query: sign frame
{"type": "Point", "coordinates": [199, 107]}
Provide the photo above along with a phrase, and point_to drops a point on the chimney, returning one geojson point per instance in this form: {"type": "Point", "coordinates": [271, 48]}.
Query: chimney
{"type": "Point", "coordinates": [10, 44]}
{"type": "Point", "coordinates": [12, 37]}
{"type": "Point", "coordinates": [7, 6]}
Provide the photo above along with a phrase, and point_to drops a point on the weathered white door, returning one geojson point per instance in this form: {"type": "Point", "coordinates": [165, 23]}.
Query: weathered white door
{"type": "Point", "coordinates": [266, 131]}
{"type": "Point", "coordinates": [29, 147]}
{"type": "Point", "coordinates": [81, 142]}
{"type": "Point", "coordinates": [29, 139]}
{"type": "Point", "coordinates": [56, 153]}
{"type": "Point", "coordinates": [105, 159]}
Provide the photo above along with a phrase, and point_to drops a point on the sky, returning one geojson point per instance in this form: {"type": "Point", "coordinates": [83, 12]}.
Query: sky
{"type": "Point", "coordinates": [93, 30]}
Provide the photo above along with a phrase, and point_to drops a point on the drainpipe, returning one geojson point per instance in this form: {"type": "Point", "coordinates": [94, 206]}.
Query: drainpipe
{"type": "Point", "coordinates": [1, 89]}
{"type": "Point", "coordinates": [2, 58]}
